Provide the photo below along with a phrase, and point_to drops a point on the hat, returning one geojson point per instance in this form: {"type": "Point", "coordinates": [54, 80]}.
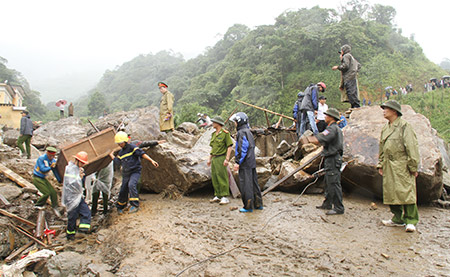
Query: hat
{"type": "Point", "coordinates": [394, 105]}
{"type": "Point", "coordinates": [162, 84]}
{"type": "Point", "coordinates": [322, 97]}
{"type": "Point", "coordinates": [218, 120]}
{"type": "Point", "coordinates": [25, 112]}
{"type": "Point", "coordinates": [333, 113]}
{"type": "Point", "coordinates": [51, 149]}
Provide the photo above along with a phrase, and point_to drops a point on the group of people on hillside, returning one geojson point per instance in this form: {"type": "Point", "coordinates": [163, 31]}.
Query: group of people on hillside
{"type": "Point", "coordinates": [398, 158]}
{"type": "Point", "coordinates": [434, 83]}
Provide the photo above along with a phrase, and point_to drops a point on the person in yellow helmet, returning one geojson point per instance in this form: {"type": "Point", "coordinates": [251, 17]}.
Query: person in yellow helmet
{"type": "Point", "coordinates": [129, 157]}
{"type": "Point", "coordinates": [72, 196]}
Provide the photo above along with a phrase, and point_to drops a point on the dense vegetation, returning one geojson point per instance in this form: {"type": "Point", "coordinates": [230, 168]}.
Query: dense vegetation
{"type": "Point", "coordinates": [269, 64]}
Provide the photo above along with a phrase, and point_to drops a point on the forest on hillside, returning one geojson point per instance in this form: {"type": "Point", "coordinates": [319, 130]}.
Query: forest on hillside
{"type": "Point", "coordinates": [267, 66]}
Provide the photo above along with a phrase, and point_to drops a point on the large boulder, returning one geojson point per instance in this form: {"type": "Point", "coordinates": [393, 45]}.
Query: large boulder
{"type": "Point", "coordinates": [361, 145]}
{"type": "Point", "coordinates": [181, 166]}
{"type": "Point", "coordinates": [140, 124]}
{"type": "Point", "coordinates": [60, 133]}
{"type": "Point", "coordinates": [10, 137]}
{"type": "Point", "coordinates": [67, 263]}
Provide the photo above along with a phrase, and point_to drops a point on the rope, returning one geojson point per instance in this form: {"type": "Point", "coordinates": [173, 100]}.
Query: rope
{"type": "Point", "coordinates": [252, 237]}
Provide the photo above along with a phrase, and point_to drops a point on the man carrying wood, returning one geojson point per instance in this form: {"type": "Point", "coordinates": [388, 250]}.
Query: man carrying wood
{"type": "Point", "coordinates": [72, 196]}
{"type": "Point", "coordinates": [332, 141]}
{"type": "Point", "coordinates": [129, 157]}
{"type": "Point", "coordinates": [166, 120]}
{"type": "Point", "coordinates": [44, 164]}
{"type": "Point", "coordinates": [221, 147]}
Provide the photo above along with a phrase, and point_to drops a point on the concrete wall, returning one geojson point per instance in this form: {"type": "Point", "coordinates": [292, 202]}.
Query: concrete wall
{"type": "Point", "coordinates": [10, 117]}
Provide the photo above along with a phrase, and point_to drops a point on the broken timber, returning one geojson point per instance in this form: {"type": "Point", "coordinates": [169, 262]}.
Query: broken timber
{"type": "Point", "coordinates": [17, 178]}
{"type": "Point", "coordinates": [292, 173]}
{"type": "Point", "coordinates": [265, 110]}
{"type": "Point", "coordinates": [18, 251]}
{"type": "Point", "coordinates": [23, 220]}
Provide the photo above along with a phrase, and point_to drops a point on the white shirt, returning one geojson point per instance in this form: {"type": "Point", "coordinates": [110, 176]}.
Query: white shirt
{"type": "Point", "coordinates": [320, 111]}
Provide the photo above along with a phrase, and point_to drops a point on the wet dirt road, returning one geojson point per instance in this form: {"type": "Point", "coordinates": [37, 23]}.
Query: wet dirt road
{"type": "Point", "coordinates": [167, 236]}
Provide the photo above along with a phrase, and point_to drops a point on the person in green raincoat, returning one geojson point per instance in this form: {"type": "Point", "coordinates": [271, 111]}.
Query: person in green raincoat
{"type": "Point", "coordinates": [398, 164]}
{"type": "Point", "coordinates": [166, 120]}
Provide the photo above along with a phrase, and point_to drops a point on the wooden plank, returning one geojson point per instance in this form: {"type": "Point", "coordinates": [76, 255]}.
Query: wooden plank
{"type": "Point", "coordinates": [18, 251]}
{"type": "Point", "coordinates": [266, 110]}
{"type": "Point", "coordinates": [292, 173]}
{"type": "Point", "coordinates": [15, 177]}
{"type": "Point", "coordinates": [20, 230]}
{"type": "Point", "coordinates": [267, 119]}
{"type": "Point", "coordinates": [23, 220]}
{"type": "Point", "coordinates": [4, 200]}
{"type": "Point", "coordinates": [93, 147]}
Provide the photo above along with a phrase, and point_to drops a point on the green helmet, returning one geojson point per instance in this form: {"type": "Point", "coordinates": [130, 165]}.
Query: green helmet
{"type": "Point", "coordinates": [393, 105]}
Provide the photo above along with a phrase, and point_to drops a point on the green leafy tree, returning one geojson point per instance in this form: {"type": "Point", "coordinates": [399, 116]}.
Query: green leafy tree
{"type": "Point", "coordinates": [97, 104]}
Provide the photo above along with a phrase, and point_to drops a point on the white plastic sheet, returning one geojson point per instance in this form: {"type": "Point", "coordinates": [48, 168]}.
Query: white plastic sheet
{"type": "Point", "coordinates": [73, 187]}
{"type": "Point", "coordinates": [103, 181]}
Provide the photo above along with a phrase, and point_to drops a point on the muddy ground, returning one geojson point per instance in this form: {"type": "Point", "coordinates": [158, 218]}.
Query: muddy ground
{"type": "Point", "coordinates": [167, 236]}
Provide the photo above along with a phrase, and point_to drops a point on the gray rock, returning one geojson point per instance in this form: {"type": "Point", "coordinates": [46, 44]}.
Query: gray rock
{"type": "Point", "coordinates": [283, 147]}
{"type": "Point", "coordinates": [267, 140]}
{"type": "Point", "coordinates": [67, 264]}
{"type": "Point", "coordinates": [10, 191]}
{"type": "Point", "coordinates": [188, 127]}
{"type": "Point", "coordinates": [361, 144]}
{"type": "Point", "coordinates": [140, 124]}
{"type": "Point", "coordinates": [59, 133]}
{"type": "Point", "coordinates": [184, 167]}
{"type": "Point", "coordinates": [10, 137]}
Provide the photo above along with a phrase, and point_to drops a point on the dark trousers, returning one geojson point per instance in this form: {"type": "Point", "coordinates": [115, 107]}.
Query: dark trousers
{"type": "Point", "coordinates": [95, 197]}
{"type": "Point", "coordinates": [249, 187]}
{"type": "Point", "coordinates": [333, 192]}
{"type": "Point", "coordinates": [82, 210]}
{"type": "Point", "coordinates": [351, 88]}
{"type": "Point", "coordinates": [129, 186]}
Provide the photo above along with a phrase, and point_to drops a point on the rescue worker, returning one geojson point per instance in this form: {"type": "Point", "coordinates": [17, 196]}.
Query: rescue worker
{"type": "Point", "coordinates": [26, 133]}
{"type": "Point", "coordinates": [129, 157]}
{"type": "Point", "coordinates": [166, 120]}
{"type": "Point", "coordinates": [349, 68]}
{"type": "Point", "coordinates": [102, 183]}
{"type": "Point", "coordinates": [246, 164]}
{"type": "Point", "coordinates": [398, 164]}
{"type": "Point", "coordinates": [332, 141]}
{"type": "Point", "coordinates": [221, 147]}
{"type": "Point", "coordinates": [43, 165]}
{"type": "Point", "coordinates": [71, 109]}
{"type": "Point", "coordinates": [297, 114]}
{"type": "Point", "coordinates": [72, 196]}
{"type": "Point", "coordinates": [310, 105]}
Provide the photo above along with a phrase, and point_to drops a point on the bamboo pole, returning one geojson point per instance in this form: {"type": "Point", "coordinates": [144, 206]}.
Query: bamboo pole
{"type": "Point", "coordinates": [23, 220]}
{"type": "Point", "coordinates": [265, 110]}
{"type": "Point", "coordinates": [231, 115]}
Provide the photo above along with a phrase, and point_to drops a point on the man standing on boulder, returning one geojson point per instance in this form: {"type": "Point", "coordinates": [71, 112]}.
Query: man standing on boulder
{"type": "Point", "coordinates": [129, 157]}
{"type": "Point", "coordinates": [246, 165]}
{"type": "Point", "coordinates": [349, 68]}
{"type": "Point", "coordinates": [309, 106]}
{"type": "Point", "coordinates": [166, 120]}
{"type": "Point", "coordinates": [221, 147]}
{"type": "Point", "coordinates": [332, 141]}
{"type": "Point", "coordinates": [398, 164]}
{"type": "Point", "coordinates": [26, 132]}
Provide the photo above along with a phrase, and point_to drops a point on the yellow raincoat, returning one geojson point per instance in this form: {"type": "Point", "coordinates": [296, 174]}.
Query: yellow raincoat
{"type": "Point", "coordinates": [166, 107]}
{"type": "Point", "coordinates": [398, 157]}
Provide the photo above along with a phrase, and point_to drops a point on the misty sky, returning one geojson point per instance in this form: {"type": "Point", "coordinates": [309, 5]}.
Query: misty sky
{"type": "Point", "coordinates": [79, 40]}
